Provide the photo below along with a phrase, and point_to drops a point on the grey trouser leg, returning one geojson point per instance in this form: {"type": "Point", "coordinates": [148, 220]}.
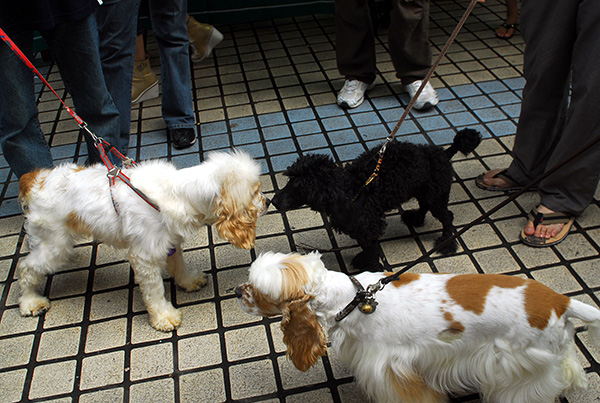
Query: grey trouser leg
{"type": "Point", "coordinates": [561, 38]}
{"type": "Point", "coordinates": [408, 39]}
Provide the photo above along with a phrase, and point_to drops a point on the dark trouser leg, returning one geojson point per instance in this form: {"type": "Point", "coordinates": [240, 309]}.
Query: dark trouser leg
{"type": "Point", "coordinates": [354, 40]}
{"type": "Point", "coordinates": [559, 36]}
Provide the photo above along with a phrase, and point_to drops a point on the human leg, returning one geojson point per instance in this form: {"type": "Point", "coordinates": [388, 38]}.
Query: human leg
{"type": "Point", "coordinates": [508, 28]}
{"type": "Point", "coordinates": [169, 26]}
{"type": "Point", "coordinates": [572, 188]}
{"type": "Point", "coordinates": [21, 137]}
{"type": "Point", "coordinates": [552, 126]}
{"type": "Point", "coordinates": [409, 39]}
{"type": "Point", "coordinates": [75, 48]}
{"type": "Point", "coordinates": [410, 50]}
{"type": "Point", "coordinates": [117, 21]}
{"type": "Point", "coordinates": [355, 40]}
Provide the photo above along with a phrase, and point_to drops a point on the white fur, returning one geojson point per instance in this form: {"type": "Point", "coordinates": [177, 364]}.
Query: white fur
{"type": "Point", "coordinates": [412, 347]}
{"type": "Point", "coordinates": [62, 204]}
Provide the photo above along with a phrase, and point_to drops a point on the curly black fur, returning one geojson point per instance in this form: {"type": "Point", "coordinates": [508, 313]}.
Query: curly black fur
{"type": "Point", "coordinates": [408, 170]}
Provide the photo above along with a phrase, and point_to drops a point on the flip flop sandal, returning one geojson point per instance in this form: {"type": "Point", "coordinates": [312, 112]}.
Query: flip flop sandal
{"type": "Point", "coordinates": [508, 26]}
{"type": "Point", "coordinates": [550, 218]}
{"type": "Point", "coordinates": [502, 174]}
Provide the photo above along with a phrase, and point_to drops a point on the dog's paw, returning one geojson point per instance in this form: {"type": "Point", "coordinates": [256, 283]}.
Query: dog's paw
{"type": "Point", "coordinates": [447, 249]}
{"type": "Point", "coordinates": [413, 218]}
{"type": "Point", "coordinates": [194, 283]}
{"type": "Point", "coordinates": [166, 320]}
{"type": "Point", "coordinates": [366, 262]}
{"type": "Point", "coordinates": [34, 306]}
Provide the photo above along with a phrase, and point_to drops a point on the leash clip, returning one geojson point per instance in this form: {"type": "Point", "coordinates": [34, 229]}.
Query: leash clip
{"type": "Point", "coordinates": [364, 300]}
{"type": "Point", "coordinates": [113, 172]}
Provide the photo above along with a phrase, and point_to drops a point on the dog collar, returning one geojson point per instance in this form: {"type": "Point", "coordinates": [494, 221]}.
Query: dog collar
{"type": "Point", "coordinates": [364, 299]}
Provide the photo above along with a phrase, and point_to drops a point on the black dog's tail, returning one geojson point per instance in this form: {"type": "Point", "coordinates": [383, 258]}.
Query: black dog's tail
{"type": "Point", "coordinates": [465, 141]}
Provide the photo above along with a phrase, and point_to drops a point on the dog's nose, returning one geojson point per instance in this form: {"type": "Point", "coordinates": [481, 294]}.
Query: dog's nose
{"type": "Point", "coordinates": [267, 202]}
{"type": "Point", "coordinates": [238, 292]}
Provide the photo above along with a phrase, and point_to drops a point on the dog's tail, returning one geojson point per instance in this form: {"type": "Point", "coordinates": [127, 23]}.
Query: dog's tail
{"type": "Point", "coordinates": [465, 141]}
{"type": "Point", "coordinates": [588, 314]}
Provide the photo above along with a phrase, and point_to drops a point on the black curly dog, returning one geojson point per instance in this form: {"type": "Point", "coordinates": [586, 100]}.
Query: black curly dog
{"type": "Point", "coordinates": [408, 170]}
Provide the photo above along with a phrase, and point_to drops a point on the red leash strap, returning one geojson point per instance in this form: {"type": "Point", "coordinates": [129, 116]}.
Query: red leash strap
{"type": "Point", "coordinates": [99, 143]}
{"type": "Point", "coordinates": [25, 60]}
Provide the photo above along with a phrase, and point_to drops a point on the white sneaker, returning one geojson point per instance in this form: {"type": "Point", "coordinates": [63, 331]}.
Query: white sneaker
{"type": "Point", "coordinates": [428, 97]}
{"type": "Point", "coordinates": [352, 93]}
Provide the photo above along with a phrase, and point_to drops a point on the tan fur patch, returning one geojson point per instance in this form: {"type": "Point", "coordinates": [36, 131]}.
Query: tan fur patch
{"type": "Point", "coordinates": [540, 301]}
{"type": "Point", "coordinates": [266, 306]}
{"type": "Point", "coordinates": [470, 290]}
{"type": "Point", "coordinates": [454, 326]}
{"type": "Point", "coordinates": [302, 334]}
{"type": "Point", "coordinates": [236, 223]}
{"type": "Point", "coordinates": [26, 183]}
{"type": "Point", "coordinates": [75, 224]}
{"type": "Point", "coordinates": [410, 388]}
{"type": "Point", "coordinates": [294, 278]}
{"type": "Point", "coordinates": [404, 278]}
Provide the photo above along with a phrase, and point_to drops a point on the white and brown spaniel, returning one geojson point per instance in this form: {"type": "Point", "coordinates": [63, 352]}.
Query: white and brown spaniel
{"type": "Point", "coordinates": [62, 204]}
{"type": "Point", "coordinates": [507, 337]}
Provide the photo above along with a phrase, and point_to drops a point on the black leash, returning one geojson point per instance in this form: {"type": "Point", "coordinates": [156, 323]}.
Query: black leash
{"type": "Point", "coordinates": [368, 297]}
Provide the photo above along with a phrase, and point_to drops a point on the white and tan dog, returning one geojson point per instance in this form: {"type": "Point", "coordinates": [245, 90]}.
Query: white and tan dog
{"type": "Point", "coordinates": [507, 337]}
{"type": "Point", "coordinates": [62, 204]}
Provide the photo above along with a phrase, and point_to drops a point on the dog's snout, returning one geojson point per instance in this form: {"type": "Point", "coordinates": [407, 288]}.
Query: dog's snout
{"type": "Point", "coordinates": [267, 202]}
{"type": "Point", "coordinates": [238, 292]}
{"type": "Point", "coordinates": [275, 201]}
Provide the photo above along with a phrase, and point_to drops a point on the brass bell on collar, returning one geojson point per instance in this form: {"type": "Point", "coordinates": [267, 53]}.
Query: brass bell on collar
{"type": "Point", "coordinates": [367, 307]}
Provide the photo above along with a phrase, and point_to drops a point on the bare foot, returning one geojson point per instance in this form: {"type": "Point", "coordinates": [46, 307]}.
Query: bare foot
{"type": "Point", "coordinates": [543, 231]}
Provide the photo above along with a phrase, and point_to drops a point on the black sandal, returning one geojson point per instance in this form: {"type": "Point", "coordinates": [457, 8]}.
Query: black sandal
{"type": "Point", "coordinates": [513, 186]}
{"type": "Point", "coordinates": [507, 26]}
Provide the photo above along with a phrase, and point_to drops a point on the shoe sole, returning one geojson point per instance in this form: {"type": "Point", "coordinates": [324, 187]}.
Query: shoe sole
{"type": "Point", "coordinates": [148, 94]}
{"type": "Point", "coordinates": [425, 106]}
{"type": "Point", "coordinates": [344, 105]}
{"type": "Point", "coordinates": [214, 39]}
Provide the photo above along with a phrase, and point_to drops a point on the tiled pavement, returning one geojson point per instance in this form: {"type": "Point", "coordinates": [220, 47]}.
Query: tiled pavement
{"type": "Point", "coordinates": [269, 89]}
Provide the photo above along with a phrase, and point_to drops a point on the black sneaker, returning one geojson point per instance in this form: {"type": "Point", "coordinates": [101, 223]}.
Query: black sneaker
{"type": "Point", "coordinates": [182, 138]}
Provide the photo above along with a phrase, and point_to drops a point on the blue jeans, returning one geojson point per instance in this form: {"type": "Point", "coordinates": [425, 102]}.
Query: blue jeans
{"type": "Point", "coordinates": [117, 25]}
{"type": "Point", "coordinates": [170, 30]}
{"type": "Point", "coordinates": [74, 46]}
{"type": "Point", "coordinates": [117, 21]}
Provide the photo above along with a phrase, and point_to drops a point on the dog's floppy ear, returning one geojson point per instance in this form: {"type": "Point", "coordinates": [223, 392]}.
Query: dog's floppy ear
{"type": "Point", "coordinates": [236, 214]}
{"type": "Point", "coordinates": [302, 334]}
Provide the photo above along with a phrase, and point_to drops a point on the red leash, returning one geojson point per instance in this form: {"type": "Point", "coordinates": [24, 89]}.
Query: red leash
{"type": "Point", "coordinates": [99, 143]}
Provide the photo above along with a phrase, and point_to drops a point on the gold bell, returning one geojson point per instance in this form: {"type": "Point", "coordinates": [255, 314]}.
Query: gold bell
{"type": "Point", "coordinates": [366, 308]}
